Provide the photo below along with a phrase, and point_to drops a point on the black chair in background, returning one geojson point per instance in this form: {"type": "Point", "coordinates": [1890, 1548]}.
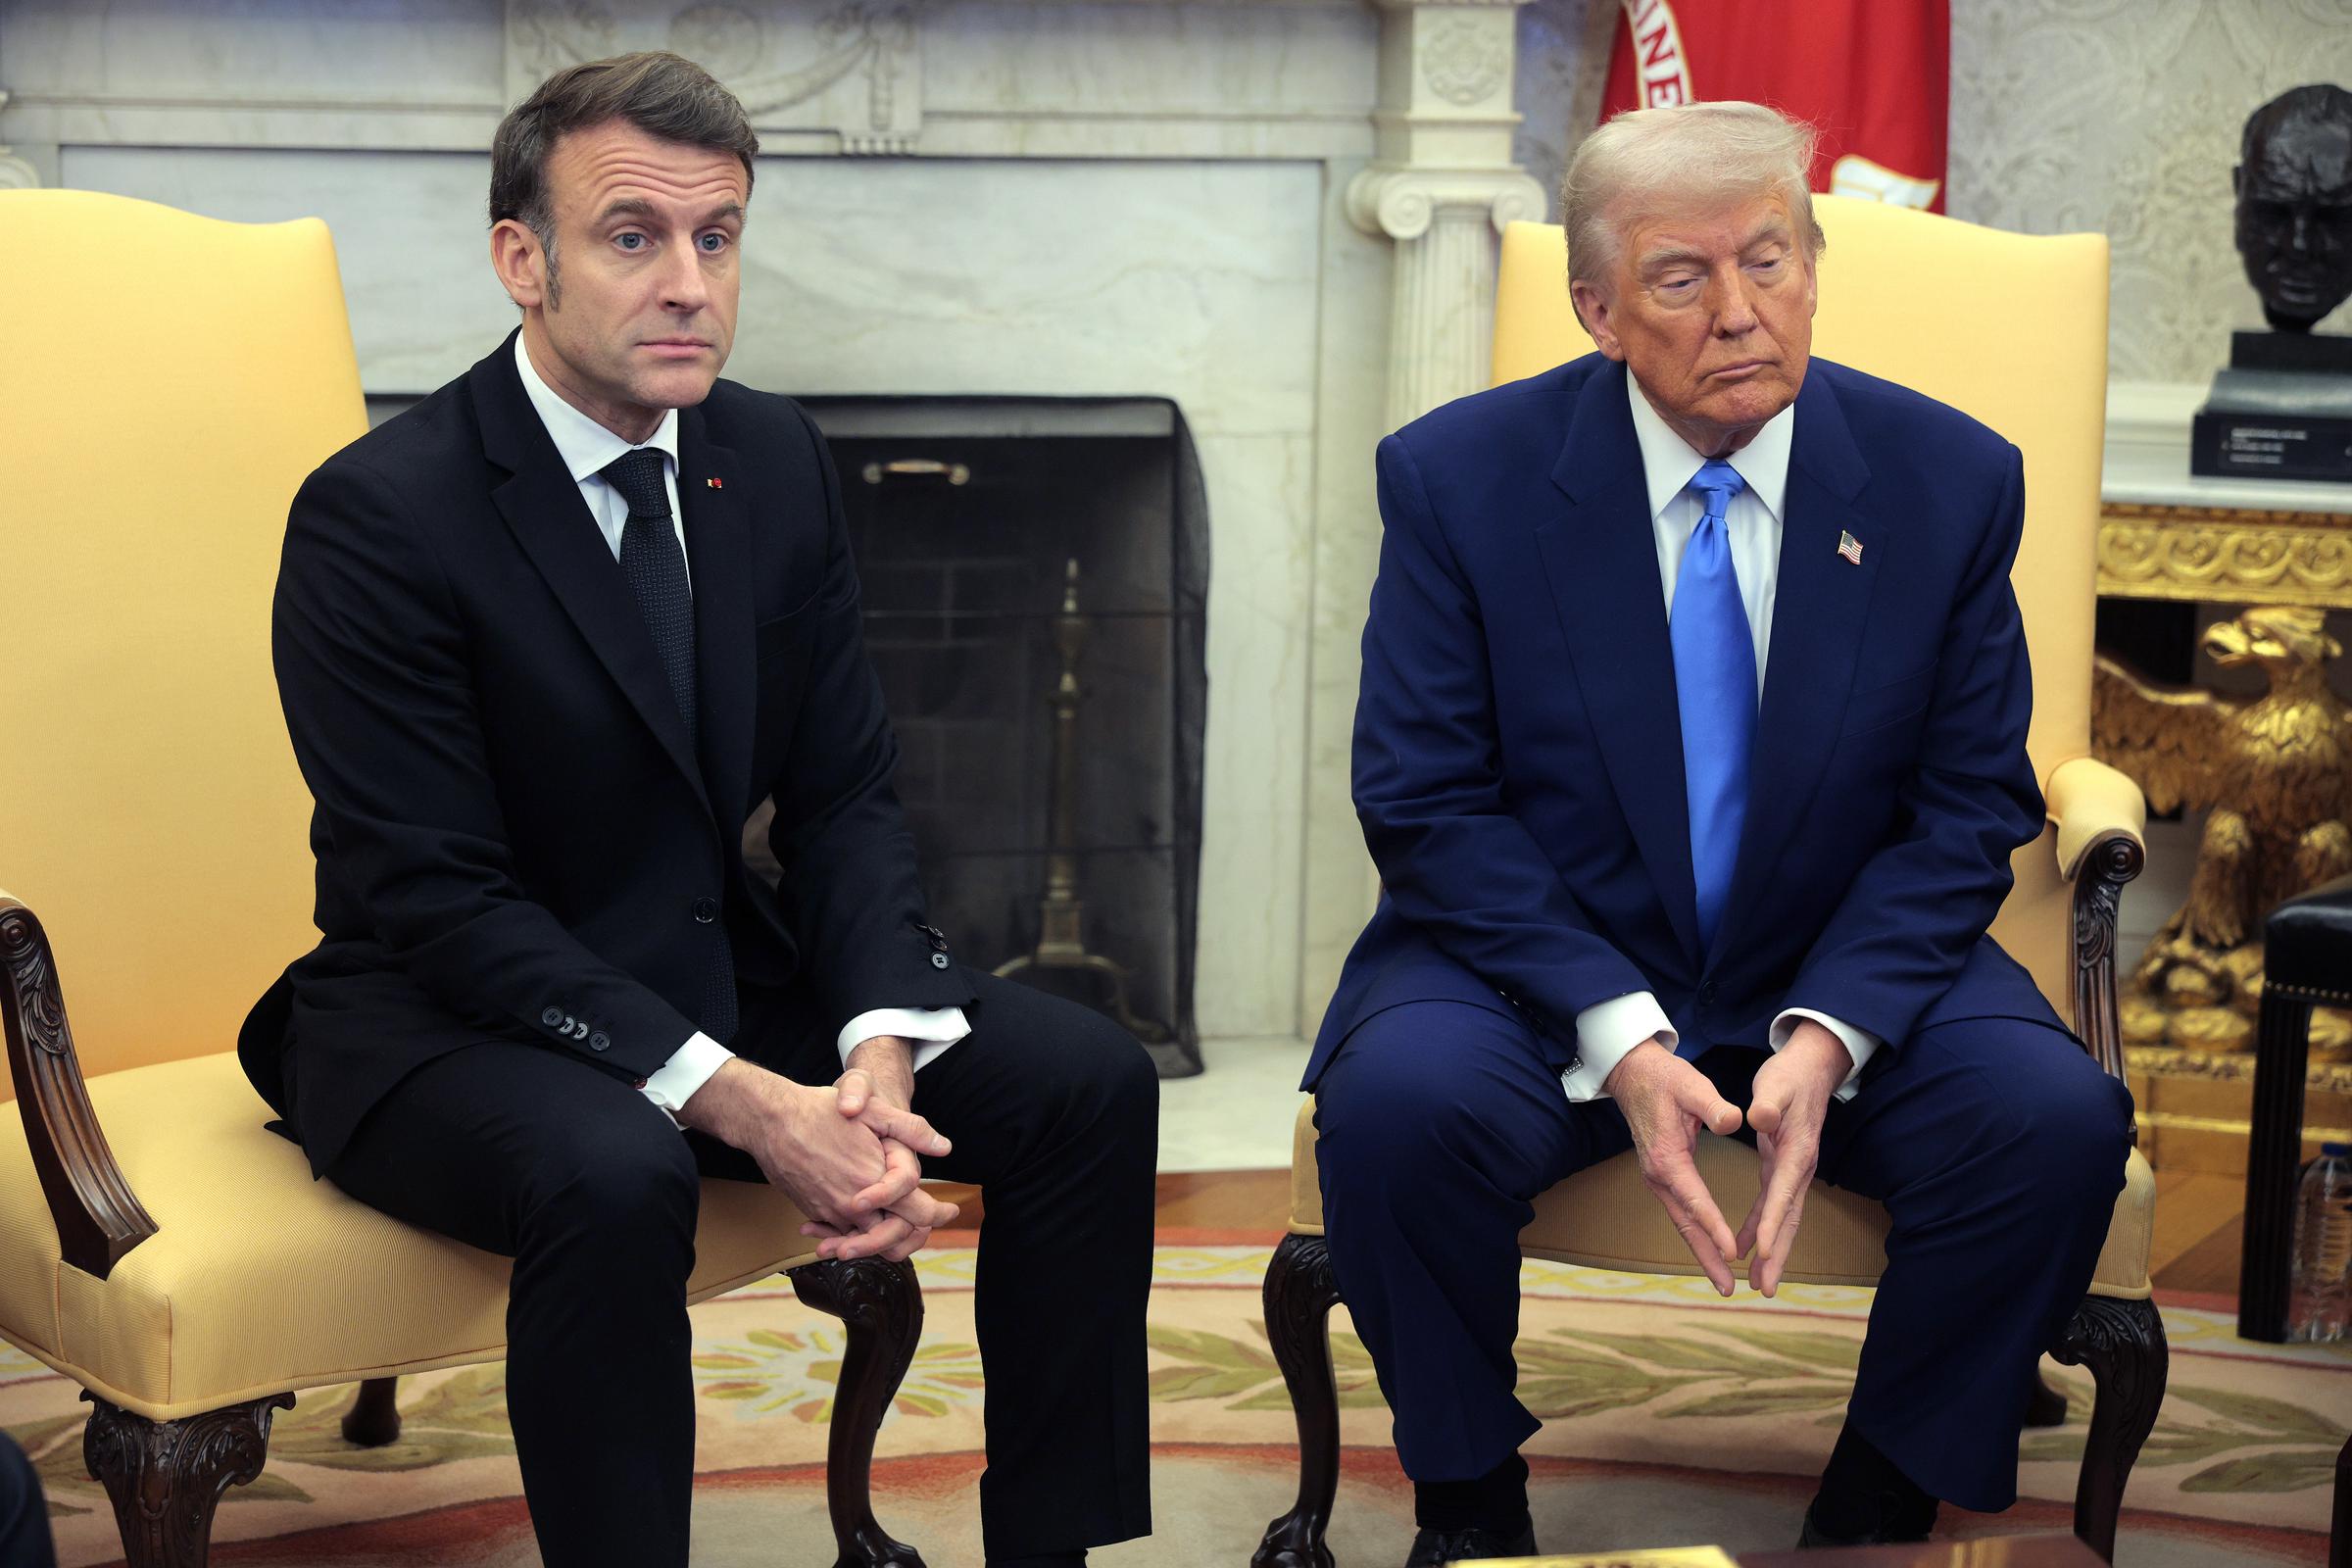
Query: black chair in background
{"type": "Point", "coordinates": [2306, 961]}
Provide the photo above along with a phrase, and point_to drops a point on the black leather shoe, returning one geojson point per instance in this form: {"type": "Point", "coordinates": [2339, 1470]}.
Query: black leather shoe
{"type": "Point", "coordinates": [1433, 1549]}
{"type": "Point", "coordinates": [1889, 1532]}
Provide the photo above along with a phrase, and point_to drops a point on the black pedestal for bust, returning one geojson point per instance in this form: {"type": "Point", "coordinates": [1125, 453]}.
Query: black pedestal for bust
{"type": "Point", "coordinates": [2281, 411]}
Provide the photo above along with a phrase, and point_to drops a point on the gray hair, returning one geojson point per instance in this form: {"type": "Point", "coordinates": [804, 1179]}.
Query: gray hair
{"type": "Point", "coordinates": [1646, 159]}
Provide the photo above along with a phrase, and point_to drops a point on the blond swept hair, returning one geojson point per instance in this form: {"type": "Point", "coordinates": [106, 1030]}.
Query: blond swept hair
{"type": "Point", "coordinates": [1647, 161]}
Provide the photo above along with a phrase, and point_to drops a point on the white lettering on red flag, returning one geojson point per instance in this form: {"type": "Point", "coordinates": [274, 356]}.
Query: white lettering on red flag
{"type": "Point", "coordinates": [1662, 68]}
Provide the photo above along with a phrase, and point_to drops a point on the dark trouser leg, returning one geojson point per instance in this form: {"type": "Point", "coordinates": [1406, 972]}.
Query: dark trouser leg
{"type": "Point", "coordinates": [1054, 1112]}
{"type": "Point", "coordinates": [1998, 1147]}
{"type": "Point", "coordinates": [24, 1514]}
{"type": "Point", "coordinates": [573, 1173]}
{"type": "Point", "coordinates": [1440, 1122]}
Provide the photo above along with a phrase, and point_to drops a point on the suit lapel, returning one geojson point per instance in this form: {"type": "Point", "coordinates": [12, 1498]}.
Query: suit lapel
{"type": "Point", "coordinates": [718, 555]}
{"type": "Point", "coordinates": [1603, 561]}
{"type": "Point", "coordinates": [541, 507]}
{"type": "Point", "coordinates": [1819, 611]}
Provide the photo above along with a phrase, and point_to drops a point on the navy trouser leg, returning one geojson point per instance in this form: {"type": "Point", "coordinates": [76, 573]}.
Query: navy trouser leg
{"type": "Point", "coordinates": [1998, 1147]}
{"type": "Point", "coordinates": [1440, 1122]}
{"type": "Point", "coordinates": [24, 1514]}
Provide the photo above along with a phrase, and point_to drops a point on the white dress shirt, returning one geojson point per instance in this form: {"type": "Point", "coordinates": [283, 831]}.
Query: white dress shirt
{"type": "Point", "coordinates": [586, 448]}
{"type": "Point", "coordinates": [1607, 1031]}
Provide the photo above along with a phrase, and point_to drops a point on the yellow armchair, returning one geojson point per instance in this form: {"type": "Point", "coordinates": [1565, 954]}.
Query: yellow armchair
{"type": "Point", "coordinates": [2012, 330]}
{"type": "Point", "coordinates": [168, 381]}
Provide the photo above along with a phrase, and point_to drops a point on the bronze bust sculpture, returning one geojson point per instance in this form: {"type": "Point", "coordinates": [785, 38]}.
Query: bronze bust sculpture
{"type": "Point", "coordinates": [2294, 205]}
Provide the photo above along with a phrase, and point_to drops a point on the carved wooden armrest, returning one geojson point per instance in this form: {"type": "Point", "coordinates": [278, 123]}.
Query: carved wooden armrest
{"type": "Point", "coordinates": [2100, 815]}
{"type": "Point", "coordinates": [98, 1218]}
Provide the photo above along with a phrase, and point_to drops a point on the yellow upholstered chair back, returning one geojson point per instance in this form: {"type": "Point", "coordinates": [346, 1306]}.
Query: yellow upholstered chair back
{"type": "Point", "coordinates": [2009, 328]}
{"type": "Point", "coordinates": [166, 383]}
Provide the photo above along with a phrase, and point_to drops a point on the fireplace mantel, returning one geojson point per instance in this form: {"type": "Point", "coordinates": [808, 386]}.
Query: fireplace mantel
{"type": "Point", "coordinates": [1278, 212]}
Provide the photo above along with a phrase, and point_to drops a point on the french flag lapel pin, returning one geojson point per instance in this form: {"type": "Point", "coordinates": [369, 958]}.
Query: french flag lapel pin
{"type": "Point", "coordinates": [1848, 546]}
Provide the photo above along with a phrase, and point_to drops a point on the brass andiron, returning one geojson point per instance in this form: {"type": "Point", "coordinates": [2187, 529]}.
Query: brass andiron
{"type": "Point", "coordinates": [2275, 774]}
{"type": "Point", "coordinates": [1060, 913]}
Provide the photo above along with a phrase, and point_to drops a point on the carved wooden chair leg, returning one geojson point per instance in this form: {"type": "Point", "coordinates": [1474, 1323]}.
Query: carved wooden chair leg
{"type": "Point", "coordinates": [1299, 1295]}
{"type": "Point", "coordinates": [166, 1477]}
{"type": "Point", "coordinates": [2046, 1406]}
{"type": "Point", "coordinates": [373, 1419]}
{"type": "Point", "coordinates": [2122, 1344]}
{"type": "Point", "coordinates": [883, 1308]}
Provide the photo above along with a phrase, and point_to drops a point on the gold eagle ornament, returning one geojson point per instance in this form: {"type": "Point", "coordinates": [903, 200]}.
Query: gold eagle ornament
{"type": "Point", "coordinates": [2275, 775]}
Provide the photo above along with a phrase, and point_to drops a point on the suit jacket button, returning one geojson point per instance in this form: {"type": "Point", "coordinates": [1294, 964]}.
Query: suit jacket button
{"type": "Point", "coordinates": [600, 1040]}
{"type": "Point", "coordinates": [705, 910]}
{"type": "Point", "coordinates": [1706, 995]}
{"type": "Point", "coordinates": [939, 961]}
{"type": "Point", "coordinates": [553, 1018]}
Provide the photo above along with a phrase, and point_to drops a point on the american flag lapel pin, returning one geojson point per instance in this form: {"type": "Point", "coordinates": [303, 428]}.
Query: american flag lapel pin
{"type": "Point", "coordinates": [1848, 545]}
{"type": "Point", "coordinates": [716, 485]}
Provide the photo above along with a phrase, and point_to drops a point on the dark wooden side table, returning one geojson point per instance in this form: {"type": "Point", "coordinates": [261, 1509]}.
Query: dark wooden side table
{"type": "Point", "coordinates": [2307, 960]}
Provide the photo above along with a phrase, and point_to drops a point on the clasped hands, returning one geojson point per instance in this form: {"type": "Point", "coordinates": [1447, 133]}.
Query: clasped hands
{"type": "Point", "coordinates": [849, 1153]}
{"type": "Point", "coordinates": [1666, 1100]}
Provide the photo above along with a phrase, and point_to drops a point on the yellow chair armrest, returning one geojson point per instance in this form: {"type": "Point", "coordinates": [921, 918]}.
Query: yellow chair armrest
{"type": "Point", "coordinates": [2090, 802]}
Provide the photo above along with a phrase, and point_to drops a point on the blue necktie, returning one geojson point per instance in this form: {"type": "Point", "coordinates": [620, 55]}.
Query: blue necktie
{"type": "Point", "coordinates": [1715, 684]}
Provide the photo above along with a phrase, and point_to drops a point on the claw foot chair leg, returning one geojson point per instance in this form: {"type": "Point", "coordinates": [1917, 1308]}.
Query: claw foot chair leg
{"type": "Point", "coordinates": [883, 1307]}
{"type": "Point", "coordinates": [166, 1477]}
{"type": "Point", "coordinates": [1299, 1295]}
{"type": "Point", "coordinates": [2123, 1344]}
{"type": "Point", "coordinates": [373, 1419]}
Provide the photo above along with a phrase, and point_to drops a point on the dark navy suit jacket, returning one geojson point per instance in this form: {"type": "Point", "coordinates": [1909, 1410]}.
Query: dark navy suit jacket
{"type": "Point", "coordinates": [1518, 763]}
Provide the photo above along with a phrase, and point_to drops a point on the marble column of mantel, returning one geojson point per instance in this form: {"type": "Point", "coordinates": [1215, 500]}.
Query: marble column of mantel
{"type": "Point", "coordinates": [15, 174]}
{"type": "Point", "coordinates": [1442, 186]}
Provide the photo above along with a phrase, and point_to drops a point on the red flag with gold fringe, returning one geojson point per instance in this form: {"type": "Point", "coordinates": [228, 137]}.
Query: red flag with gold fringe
{"type": "Point", "coordinates": [1872, 76]}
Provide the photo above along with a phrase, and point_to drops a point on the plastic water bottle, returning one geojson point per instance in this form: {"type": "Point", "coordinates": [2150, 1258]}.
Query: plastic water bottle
{"type": "Point", "coordinates": [2322, 1290]}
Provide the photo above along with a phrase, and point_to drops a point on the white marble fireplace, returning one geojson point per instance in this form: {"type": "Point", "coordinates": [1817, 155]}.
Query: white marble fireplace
{"type": "Point", "coordinates": [1277, 213]}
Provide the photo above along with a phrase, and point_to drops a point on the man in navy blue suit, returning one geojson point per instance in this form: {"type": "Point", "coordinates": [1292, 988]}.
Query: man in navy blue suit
{"type": "Point", "coordinates": [1691, 752]}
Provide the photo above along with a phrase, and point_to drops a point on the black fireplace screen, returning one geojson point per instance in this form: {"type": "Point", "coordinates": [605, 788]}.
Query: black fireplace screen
{"type": "Point", "coordinates": [1035, 574]}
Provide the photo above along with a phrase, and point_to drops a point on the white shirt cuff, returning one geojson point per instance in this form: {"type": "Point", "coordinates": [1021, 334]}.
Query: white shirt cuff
{"type": "Point", "coordinates": [1607, 1033]}
{"type": "Point", "coordinates": [688, 1068]}
{"type": "Point", "coordinates": [1860, 1044]}
{"type": "Point", "coordinates": [932, 1029]}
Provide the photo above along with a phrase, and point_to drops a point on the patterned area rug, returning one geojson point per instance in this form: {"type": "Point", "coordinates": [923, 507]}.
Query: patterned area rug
{"type": "Point", "coordinates": [1669, 1418]}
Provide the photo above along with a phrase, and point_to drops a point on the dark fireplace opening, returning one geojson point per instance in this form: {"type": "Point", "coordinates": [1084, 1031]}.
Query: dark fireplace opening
{"type": "Point", "coordinates": [1035, 575]}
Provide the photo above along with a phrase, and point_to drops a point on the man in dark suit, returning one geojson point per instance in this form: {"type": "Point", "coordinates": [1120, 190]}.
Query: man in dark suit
{"type": "Point", "coordinates": [1692, 750]}
{"type": "Point", "coordinates": [545, 641]}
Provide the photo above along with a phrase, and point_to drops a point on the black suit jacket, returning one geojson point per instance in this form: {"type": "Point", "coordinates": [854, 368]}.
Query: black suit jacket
{"type": "Point", "coordinates": [514, 838]}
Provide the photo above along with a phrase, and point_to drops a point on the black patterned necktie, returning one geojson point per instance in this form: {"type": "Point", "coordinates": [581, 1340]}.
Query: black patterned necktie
{"type": "Point", "coordinates": [649, 557]}
{"type": "Point", "coordinates": [655, 567]}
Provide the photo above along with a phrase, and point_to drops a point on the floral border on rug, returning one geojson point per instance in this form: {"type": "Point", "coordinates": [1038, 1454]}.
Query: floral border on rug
{"type": "Point", "coordinates": [1706, 1366]}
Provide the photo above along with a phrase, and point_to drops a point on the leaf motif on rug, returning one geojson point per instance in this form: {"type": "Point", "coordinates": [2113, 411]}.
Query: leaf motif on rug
{"type": "Point", "coordinates": [55, 1448]}
{"type": "Point", "coordinates": [796, 1372]}
{"type": "Point", "coordinates": [1207, 1366]}
{"type": "Point", "coordinates": [2294, 1448]}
